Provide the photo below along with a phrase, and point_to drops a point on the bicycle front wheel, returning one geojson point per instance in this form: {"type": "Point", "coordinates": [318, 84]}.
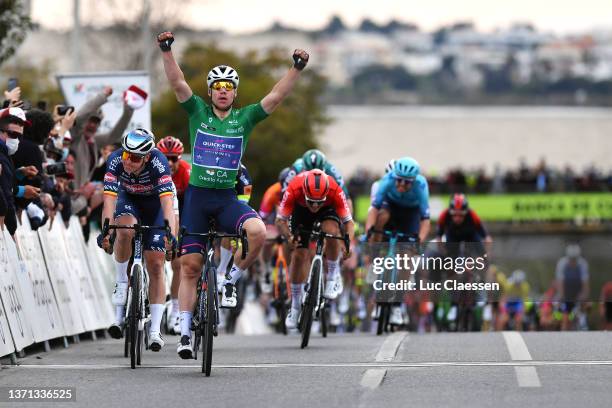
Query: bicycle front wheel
{"type": "Point", "coordinates": [134, 314]}
{"type": "Point", "coordinates": [311, 301]}
{"type": "Point", "coordinates": [210, 322]}
{"type": "Point", "coordinates": [281, 304]}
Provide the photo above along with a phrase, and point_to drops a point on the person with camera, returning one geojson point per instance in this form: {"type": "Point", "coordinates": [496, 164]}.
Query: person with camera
{"type": "Point", "coordinates": [86, 143]}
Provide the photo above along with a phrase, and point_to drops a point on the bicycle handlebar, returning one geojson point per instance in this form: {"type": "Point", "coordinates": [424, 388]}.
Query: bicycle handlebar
{"type": "Point", "coordinates": [211, 235]}
{"type": "Point", "coordinates": [321, 234]}
{"type": "Point", "coordinates": [106, 228]}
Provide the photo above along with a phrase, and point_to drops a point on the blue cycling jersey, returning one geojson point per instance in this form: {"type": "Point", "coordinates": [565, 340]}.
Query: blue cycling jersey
{"type": "Point", "coordinates": [417, 196]}
{"type": "Point", "coordinates": [154, 179]}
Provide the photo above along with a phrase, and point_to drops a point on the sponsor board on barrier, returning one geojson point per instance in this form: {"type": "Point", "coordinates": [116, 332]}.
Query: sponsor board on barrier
{"type": "Point", "coordinates": [40, 304]}
{"type": "Point", "coordinates": [63, 279]}
{"type": "Point", "coordinates": [11, 294]}
{"type": "Point", "coordinates": [6, 342]}
{"type": "Point", "coordinates": [92, 289]}
{"type": "Point", "coordinates": [102, 261]}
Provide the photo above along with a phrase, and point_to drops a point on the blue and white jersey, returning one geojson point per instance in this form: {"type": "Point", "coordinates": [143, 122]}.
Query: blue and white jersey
{"type": "Point", "coordinates": [417, 196]}
{"type": "Point", "coordinates": [154, 179]}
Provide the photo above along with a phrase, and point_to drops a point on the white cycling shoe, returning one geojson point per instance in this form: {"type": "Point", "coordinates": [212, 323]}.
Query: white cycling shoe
{"type": "Point", "coordinates": [396, 316]}
{"type": "Point", "coordinates": [184, 348]}
{"type": "Point", "coordinates": [333, 288]}
{"type": "Point", "coordinates": [120, 293]}
{"type": "Point", "coordinates": [155, 341]}
{"type": "Point", "coordinates": [228, 297]}
{"type": "Point", "coordinates": [291, 321]}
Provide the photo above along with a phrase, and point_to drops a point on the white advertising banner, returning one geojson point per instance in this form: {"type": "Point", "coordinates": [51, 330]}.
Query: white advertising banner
{"type": "Point", "coordinates": [42, 305]}
{"type": "Point", "coordinates": [63, 278]}
{"type": "Point", "coordinates": [97, 312]}
{"type": "Point", "coordinates": [11, 294]}
{"type": "Point", "coordinates": [79, 88]}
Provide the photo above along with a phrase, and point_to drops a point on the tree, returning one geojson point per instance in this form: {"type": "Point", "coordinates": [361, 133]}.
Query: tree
{"type": "Point", "coordinates": [14, 25]}
{"type": "Point", "coordinates": [276, 142]}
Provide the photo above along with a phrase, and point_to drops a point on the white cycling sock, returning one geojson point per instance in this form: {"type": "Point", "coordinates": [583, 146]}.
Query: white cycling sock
{"type": "Point", "coordinates": [119, 314]}
{"type": "Point", "coordinates": [333, 269]}
{"type": "Point", "coordinates": [296, 295]}
{"type": "Point", "coordinates": [186, 323]}
{"type": "Point", "coordinates": [235, 274]}
{"type": "Point", "coordinates": [121, 271]}
{"type": "Point", "coordinates": [157, 311]}
{"type": "Point", "coordinates": [175, 307]}
{"type": "Point", "coordinates": [225, 255]}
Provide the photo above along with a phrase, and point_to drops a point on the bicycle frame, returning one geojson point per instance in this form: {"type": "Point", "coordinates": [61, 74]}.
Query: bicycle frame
{"type": "Point", "coordinates": [143, 286]}
{"type": "Point", "coordinates": [203, 325]}
{"type": "Point", "coordinates": [280, 261]}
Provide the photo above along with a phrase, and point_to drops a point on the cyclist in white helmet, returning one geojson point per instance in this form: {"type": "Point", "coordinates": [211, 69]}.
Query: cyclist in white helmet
{"type": "Point", "coordinates": [138, 188]}
{"type": "Point", "coordinates": [219, 134]}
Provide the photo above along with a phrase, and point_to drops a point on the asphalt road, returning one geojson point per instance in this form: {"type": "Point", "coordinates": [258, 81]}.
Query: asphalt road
{"type": "Point", "coordinates": [403, 369]}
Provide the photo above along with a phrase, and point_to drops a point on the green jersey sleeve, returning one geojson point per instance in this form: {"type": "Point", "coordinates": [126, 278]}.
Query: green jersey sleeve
{"type": "Point", "coordinates": [193, 105]}
{"type": "Point", "coordinates": [255, 113]}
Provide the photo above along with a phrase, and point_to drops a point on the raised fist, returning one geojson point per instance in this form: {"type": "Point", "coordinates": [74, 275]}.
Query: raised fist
{"type": "Point", "coordinates": [165, 40]}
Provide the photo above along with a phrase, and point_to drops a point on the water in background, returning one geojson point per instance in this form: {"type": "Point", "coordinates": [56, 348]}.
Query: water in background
{"type": "Point", "coordinates": [441, 138]}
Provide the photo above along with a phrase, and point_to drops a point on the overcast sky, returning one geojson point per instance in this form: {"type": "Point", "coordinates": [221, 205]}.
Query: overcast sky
{"type": "Point", "coordinates": [239, 16]}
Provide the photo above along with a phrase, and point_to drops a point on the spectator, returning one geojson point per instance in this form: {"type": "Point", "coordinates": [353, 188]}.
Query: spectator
{"type": "Point", "coordinates": [86, 142]}
{"type": "Point", "coordinates": [12, 122]}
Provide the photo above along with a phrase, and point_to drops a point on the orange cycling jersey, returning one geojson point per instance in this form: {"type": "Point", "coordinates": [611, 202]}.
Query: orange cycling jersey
{"type": "Point", "coordinates": [271, 200]}
{"type": "Point", "coordinates": [181, 177]}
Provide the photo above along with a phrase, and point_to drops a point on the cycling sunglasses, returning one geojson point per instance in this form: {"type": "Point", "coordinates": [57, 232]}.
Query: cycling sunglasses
{"type": "Point", "coordinates": [315, 203]}
{"type": "Point", "coordinates": [229, 86]}
{"type": "Point", "coordinates": [12, 133]}
{"type": "Point", "coordinates": [172, 159]}
{"type": "Point", "coordinates": [134, 158]}
{"type": "Point", "coordinates": [457, 212]}
{"type": "Point", "coordinates": [403, 180]}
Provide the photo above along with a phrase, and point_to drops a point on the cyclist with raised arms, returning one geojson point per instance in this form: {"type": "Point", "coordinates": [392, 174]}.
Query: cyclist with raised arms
{"type": "Point", "coordinates": [219, 135]}
{"type": "Point", "coordinates": [401, 204]}
{"type": "Point", "coordinates": [310, 197]}
{"type": "Point", "coordinates": [173, 149]}
{"type": "Point", "coordinates": [138, 189]}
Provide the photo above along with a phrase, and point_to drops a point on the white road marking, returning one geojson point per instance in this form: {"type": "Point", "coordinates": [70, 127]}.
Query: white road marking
{"type": "Point", "coordinates": [388, 350]}
{"type": "Point", "coordinates": [372, 378]}
{"type": "Point", "coordinates": [526, 376]}
{"type": "Point", "coordinates": [397, 365]}
{"type": "Point", "coordinates": [516, 346]}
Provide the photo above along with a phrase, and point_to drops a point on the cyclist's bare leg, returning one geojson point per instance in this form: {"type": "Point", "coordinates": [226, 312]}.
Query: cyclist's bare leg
{"type": "Point", "coordinates": [176, 280]}
{"type": "Point", "coordinates": [381, 220]}
{"type": "Point", "coordinates": [298, 273]}
{"type": "Point", "coordinates": [123, 242]}
{"type": "Point", "coordinates": [122, 253]}
{"type": "Point", "coordinates": [256, 236]}
{"type": "Point", "coordinates": [155, 267]}
{"type": "Point", "coordinates": [332, 253]}
{"type": "Point", "coordinates": [157, 287]}
{"type": "Point", "coordinates": [225, 255]}
{"type": "Point", "coordinates": [191, 269]}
